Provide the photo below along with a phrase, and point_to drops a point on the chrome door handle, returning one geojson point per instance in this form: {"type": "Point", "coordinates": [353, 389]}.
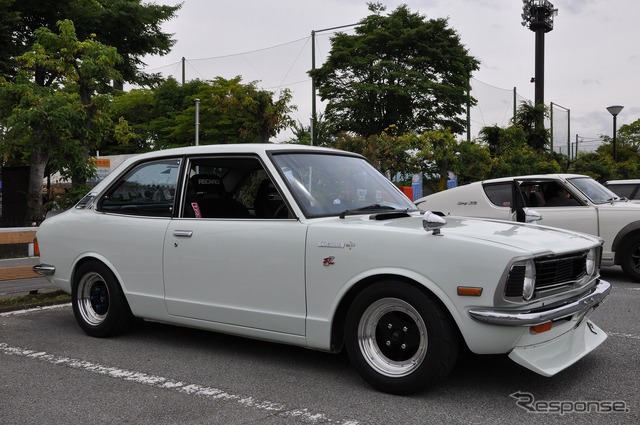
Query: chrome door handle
{"type": "Point", "coordinates": [183, 233]}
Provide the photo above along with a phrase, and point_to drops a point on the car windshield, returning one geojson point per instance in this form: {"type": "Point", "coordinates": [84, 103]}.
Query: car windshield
{"type": "Point", "coordinates": [331, 184]}
{"type": "Point", "coordinates": [594, 190]}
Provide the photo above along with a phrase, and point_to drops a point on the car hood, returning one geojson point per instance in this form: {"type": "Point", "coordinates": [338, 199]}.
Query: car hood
{"type": "Point", "coordinates": [530, 238]}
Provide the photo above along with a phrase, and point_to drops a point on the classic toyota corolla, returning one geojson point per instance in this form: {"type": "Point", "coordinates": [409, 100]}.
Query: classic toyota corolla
{"type": "Point", "coordinates": [314, 247]}
{"type": "Point", "coordinates": [569, 201]}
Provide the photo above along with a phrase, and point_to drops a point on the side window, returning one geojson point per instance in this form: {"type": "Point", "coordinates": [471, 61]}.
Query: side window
{"type": "Point", "coordinates": [626, 190]}
{"type": "Point", "coordinates": [147, 190]}
{"type": "Point", "coordinates": [499, 194]}
{"type": "Point", "coordinates": [231, 187]}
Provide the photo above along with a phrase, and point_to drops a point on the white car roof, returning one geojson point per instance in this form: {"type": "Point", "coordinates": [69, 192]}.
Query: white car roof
{"type": "Point", "coordinates": [559, 176]}
{"type": "Point", "coordinates": [627, 181]}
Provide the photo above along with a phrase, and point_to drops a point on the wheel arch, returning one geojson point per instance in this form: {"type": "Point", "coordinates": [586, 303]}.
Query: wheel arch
{"type": "Point", "coordinates": [339, 317]}
{"type": "Point", "coordinates": [94, 257]}
{"type": "Point", "coordinates": [628, 230]}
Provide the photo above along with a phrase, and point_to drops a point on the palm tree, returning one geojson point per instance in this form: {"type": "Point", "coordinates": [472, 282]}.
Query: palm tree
{"type": "Point", "coordinates": [530, 118]}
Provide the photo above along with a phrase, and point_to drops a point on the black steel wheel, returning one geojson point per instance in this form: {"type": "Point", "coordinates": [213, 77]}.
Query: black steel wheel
{"type": "Point", "coordinates": [99, 305]}
{"type": "Point", "coordinates": [399, 339]}
{"type": "Point", "coordinates": [631, 257]}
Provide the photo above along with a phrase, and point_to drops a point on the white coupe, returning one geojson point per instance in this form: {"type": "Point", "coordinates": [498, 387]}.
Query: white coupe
{"type": "Point", "coordinates": [569, 201]}
{"type": "Point", "coordinates": [314, 247]}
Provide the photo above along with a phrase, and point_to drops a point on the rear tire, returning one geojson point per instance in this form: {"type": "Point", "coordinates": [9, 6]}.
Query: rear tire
{"type": "Point", "coordinates": [99, 305]}
{"type": "Point", "coordinates": [399, 338]}
{"type": "Point", "coordinates": [631, 258]}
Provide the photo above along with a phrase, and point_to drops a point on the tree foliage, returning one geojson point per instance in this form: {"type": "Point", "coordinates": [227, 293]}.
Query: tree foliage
{"type": "Point", "coordinates": [229, 112]}
{"type": "Point", "coordinates": [397, 70]}
{"type": "Point", "coordinates": [131, 26]}
{"type": "Point", "coordinates": [530, 118]}
{"type": "Point", "coordinates": [56, 124]}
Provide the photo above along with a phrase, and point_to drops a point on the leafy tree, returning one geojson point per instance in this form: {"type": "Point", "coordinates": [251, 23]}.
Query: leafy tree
{"type": "Point", "coordinates": [233, 112]}
{"type": "Point", "coordinates": [59, 122]}
{"type": "Point", "coordinates": [230, 112]}
{"type": "Point", "coordinates": [490, 136]}
{"type": "Point", "coordinates": [514, 156]}
{"type": "Point", "coordinates": [9, 21]}
{"type": "Point", "coordinates": [473, 162]}
{"type": "Point", "coordinates": [401, 70]}
{"type": "Point", "coordinates": [627, 165]}
{"type": "Point", "coordinates": [133, 133]}
{"type": "Point", "coordinates": [131, 26]}
{"type": "Point", "coordinates": [302, 133]}
{"type": "Point", "coordinates": [531, 119]}
{"type": "Point", "coordinates": [437, 155]}
{"type": "Point", "coordinates": [598, 166]}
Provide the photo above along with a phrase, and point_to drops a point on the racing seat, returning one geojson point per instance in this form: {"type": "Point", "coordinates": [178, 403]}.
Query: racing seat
{"type": "Point", "coordinates": [209, 199]}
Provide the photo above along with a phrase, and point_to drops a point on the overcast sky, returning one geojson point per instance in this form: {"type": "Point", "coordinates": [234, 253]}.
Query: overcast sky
{"type": "Point", "coordinates": [592, 55]}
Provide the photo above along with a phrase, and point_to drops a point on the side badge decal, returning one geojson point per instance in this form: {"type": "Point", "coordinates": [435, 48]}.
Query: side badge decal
{"type": "Point", "coordinates": [328, 261]}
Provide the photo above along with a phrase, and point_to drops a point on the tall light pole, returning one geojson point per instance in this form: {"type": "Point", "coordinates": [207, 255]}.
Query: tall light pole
{"type": "Point", "coordinates": [615, 110]}
{"type": "Point", "coordinates": [538, 15]}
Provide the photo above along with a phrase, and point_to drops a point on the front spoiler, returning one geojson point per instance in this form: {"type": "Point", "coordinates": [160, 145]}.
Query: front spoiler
{"type": "Point", "coordinates": [551, 357]}
{"type": "Point", "coordinates": [537, 317]}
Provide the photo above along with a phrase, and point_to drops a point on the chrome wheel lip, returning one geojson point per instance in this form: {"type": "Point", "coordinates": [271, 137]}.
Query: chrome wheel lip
{"type": "Point", "coordinates": [369, 346]}
{"type": "Point", "coordinates": [93, 293]}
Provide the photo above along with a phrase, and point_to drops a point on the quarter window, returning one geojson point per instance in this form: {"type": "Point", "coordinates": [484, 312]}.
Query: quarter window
{"type": "Point", "coordinates": [147, 190]}
{"type": "Point", "coordinates": [499, 194]}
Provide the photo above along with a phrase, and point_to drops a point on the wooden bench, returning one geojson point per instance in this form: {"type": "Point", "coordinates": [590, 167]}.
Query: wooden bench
{"type": "Point", "coordinates": [17, 242]}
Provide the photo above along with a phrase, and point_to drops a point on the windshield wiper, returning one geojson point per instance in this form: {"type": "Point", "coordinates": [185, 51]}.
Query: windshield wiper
{"type": "Point", "coordinates": [616, 198]}
{"type": "Point", "coordinates": [372, 207]}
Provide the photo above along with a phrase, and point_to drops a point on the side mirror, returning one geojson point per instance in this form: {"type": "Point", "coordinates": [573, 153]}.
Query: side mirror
{"type": "Point", "coordinates": [531, 216]}
{"type": "Point", "coordinates": [433, 222]}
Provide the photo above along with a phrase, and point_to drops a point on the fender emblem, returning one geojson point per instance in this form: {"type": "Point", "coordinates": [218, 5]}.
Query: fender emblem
{"type": "Point", "coordinates": [328, 261]}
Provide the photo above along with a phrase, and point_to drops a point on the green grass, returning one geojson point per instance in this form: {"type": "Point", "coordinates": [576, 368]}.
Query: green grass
{"type": "Point", "coordinates": [32, 300]}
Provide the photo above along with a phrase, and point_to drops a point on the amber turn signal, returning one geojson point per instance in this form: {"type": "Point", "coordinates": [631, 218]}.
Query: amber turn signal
{"type": "Point", "coordinates": [36, 247]}
{"type": "Point", "coordinates": [469, 291]}
{"type": "Point", "coordinates": [538, 329]}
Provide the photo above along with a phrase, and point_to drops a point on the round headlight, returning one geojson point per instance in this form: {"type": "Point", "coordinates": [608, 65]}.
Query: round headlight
{"type": "Point", "coordinates": [591, 263]}
{"type": "Point", "coordinates": [529, 284]}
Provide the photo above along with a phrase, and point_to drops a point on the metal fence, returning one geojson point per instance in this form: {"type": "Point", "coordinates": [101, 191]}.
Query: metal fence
{"type": "Point", "coordinates": [287, 65]}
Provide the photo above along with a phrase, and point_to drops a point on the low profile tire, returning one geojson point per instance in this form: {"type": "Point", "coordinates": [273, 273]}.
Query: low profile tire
{"type": "Point", "coordinates": [631, 257]}
{"type": "Point", "coordinates": [99, 305]}
{"type": "Point", "coordinates": [399, 339]}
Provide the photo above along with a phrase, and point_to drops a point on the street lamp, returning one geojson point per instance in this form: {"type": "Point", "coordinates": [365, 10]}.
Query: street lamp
{"type": "Point", "coordinates": [615, 110]}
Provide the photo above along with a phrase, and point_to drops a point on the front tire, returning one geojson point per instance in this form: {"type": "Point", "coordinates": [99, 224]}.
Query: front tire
{"type": "Point", "coordinates": [399, 338]}
{"type": "Point", "coordinates": [631, 258]}
{"type": "Point", "coordinates": [99, 305]}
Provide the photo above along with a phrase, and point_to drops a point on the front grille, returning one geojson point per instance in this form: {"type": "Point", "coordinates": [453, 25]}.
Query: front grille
{"type": "Point", "coordinates": [556, 272]}
{"type": "Point", "coordinates": [552, 274]}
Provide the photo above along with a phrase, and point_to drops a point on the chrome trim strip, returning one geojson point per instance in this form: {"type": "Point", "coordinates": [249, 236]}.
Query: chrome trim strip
{"type": "Point", "coordinates": [44, 269]}
{"type": "Point", "coordinates": [533, 318]}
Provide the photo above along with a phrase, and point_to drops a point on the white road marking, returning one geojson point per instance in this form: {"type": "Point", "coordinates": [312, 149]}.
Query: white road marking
{"type": "Point", "coordinates": [304, 415]}
{"type": "Point", "coordinates": [619, 335]}
{"type": "Point", "coordinates": [31, 310]}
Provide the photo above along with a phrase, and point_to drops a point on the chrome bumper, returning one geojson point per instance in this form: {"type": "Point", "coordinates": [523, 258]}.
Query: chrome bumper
{"type": "Point", "coordinates": [44, 269]}
{"type": "Point", "coordinates": [537, 317]}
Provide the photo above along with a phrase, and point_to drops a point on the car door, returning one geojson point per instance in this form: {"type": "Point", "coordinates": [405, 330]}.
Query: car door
{"type": "Point", "coordinates": [580, 218]}
{"type": "Point", "coordinates": [243, 271]}
{"type": "Point", "coordinates": [130, 226]}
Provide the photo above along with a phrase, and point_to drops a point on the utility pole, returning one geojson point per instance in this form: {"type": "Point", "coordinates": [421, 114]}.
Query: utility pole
{"type": "Point", "coordinates": [314, 116]}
